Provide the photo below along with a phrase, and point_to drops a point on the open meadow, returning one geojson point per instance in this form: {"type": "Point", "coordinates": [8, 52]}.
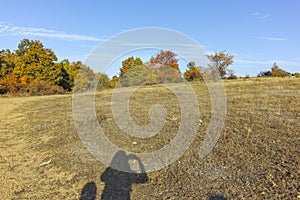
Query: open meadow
{"type": "Point", "coordinates": [256, 157]}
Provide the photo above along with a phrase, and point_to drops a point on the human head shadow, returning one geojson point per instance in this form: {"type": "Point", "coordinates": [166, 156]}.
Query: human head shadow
{"type": "Point", "coordinates": [217, 197]}
{"type": "Point", "coordinates": [118, 183]}
{"type": "Point", "coordinates": [89, 191]}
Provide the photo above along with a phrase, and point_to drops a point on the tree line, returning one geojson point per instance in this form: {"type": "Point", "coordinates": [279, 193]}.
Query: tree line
{"type": "Point", "coordinates": [276, 71]}
{"type": "Point", "coordinates": [35, 69]}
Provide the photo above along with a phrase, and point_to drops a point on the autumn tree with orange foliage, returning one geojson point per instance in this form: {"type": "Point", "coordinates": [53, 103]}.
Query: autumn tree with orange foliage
{"type": "Point", "coordinates": [34, 69]}
{"type": "Point", "coordinates": [219, 62]}
{"type": "Point", "coordinates": [193, 72]}
{"type": "Point", "coordinates": [276, 71]}
{"type": "Point", "coordinates": [165, 65]}
{"type": "Point", "coordinates": [129, 64]}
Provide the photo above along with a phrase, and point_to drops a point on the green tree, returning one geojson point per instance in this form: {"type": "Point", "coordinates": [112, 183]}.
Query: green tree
{"type": "Point", "coordinates": [85, 77]}
{"type": "Point", "coordinates": [129, 64]}
{"type": "Point", "coordinates": [113, 82]}
{"type": "Point", "coordinates": [23, 46]}
{"type": "Point", "coordinates": [139, 75]}
{"type": "Point", "coordinates": [6, 62]}
{"type": "Point", "coordinates": [68, 74]}
{"type": "Point", "coordinates": [135, 72]}
{"type": "Point", "coordinates": [103, 80]}
{"type": "Point", "coordinates": [34, 62]}
{"type": "Point", "coordinates": [220, 61]}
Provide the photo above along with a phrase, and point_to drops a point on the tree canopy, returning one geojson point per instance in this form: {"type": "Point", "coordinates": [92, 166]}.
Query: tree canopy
{"type": "Point", "coordinates": [220, 61]}
{"type": "Point", "coordinates": [130, 63]}
{"type": "Point", "coordinates": [275, 71]}
{"type": "Point", "coordinates": [278, 72]}
{"type": "Point", "coordinates": [165, 65]}
{"type": "Point", "coordinates": [32, 68]}
{"type": "Point", "coordinates": [193, 72]}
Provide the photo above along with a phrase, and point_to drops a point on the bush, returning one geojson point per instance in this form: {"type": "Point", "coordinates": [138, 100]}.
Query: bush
{"type": "Point", "coordinates": [278, 72]}
{"type": "Point", "coordinates": [193, 74]}
{"type": "Point", "coordinates": [3, 89]}
{"type": "Point", "coordinates": [12, 86]}
{"type": "Point", "coordinates": [41, 88]}
{"type": "Point", "coordinates": [9, 84]}
{"type": "Point", "coordinates": [297, 75]}
{"type": "Point", "coordinates": [265, 74]}
{"type": "Point", "coordinates": [232, 76]}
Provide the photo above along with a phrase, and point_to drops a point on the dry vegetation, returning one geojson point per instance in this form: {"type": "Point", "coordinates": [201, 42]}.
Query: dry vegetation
{"type": "Point", "coordinates": [256, 157]}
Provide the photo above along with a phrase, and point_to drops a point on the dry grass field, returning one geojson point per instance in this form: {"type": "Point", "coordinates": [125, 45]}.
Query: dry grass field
{"type": "Point", "coordinates": [257, 155]}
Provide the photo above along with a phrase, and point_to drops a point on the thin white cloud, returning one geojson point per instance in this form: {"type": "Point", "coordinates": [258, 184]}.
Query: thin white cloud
{"type": "Point", "coordinates": [138, 43]}
{"type": "Point", "coordinates": [9, 30]}
{"type": "Point", "coordinates": [268, 62]}
{"type": "Point", "coordinates": [272, 38]}
{"type": "Point", "coordinates": [288, 63]}
{"type": "Point", "coordinates": [255, 13]}
{"type": "Point", "coordinates": [240, 61]}
{"type": "Point", "coordinates": [265, 16]}
{"type": "Point", "coordinates": [261, 16]}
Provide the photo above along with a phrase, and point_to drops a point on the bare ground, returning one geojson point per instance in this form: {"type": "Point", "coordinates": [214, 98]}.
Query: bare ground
{"type": "Point", "coordinates": [256, 157]}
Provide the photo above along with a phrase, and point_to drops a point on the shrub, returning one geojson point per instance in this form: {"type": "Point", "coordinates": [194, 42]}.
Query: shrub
{"type": "Point", "coordinates": [278, 72]}
{"type": "Point", "coordinates": [3, 89]}
{"type": "Point", "coordinates": [265, 74]}
{"type": "Point", "coordinates": [9, 84]}
{"type": "Point", "coordinates": [41, 88]}
{"type": "Point", "coordinates": [193, 74]}
{"type": "Point", "coordinates": [232, 76]}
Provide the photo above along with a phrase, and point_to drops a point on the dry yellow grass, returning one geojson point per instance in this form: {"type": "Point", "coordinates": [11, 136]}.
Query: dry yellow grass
{"type": "Point", "coordinates": [256, 157]}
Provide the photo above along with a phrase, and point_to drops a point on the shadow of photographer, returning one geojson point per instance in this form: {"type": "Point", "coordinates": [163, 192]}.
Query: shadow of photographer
{"type": "Point", "coordinates": [118, 183]}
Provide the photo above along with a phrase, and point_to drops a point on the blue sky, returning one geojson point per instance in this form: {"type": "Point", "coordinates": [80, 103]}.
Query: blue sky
{"type": "Point", "coordinates": [258, 33]}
